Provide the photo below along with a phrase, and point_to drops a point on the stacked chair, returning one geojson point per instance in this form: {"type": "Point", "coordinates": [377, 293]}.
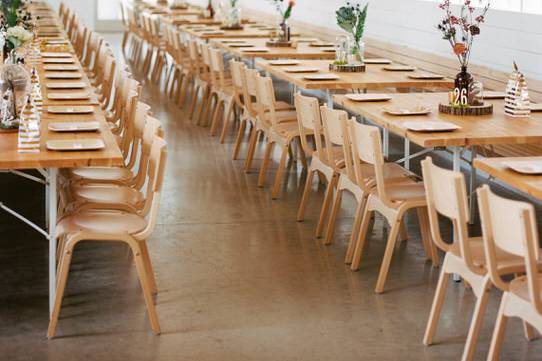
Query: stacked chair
{"type": "Point", "coordinates": [114, 204]}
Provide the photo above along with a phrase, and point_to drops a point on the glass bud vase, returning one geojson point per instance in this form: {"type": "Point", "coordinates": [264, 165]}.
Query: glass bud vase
{"type": "Point", "coordinates": [356, 52]}
{"type": "Point", "coordinates": [234, 17]}
{"type": "Point", "coordinates": [463, 82]}
{"type": "Point", "coordinates": [284, 33]}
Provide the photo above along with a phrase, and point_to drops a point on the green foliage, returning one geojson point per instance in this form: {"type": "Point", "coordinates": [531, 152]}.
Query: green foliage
{"type": "Point", "coordinates": [351, 18]}
{"type": "Point", "coordinates": [9, 9]}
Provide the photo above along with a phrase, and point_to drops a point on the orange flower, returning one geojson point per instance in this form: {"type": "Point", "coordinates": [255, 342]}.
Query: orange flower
{"type": "Point", "coordinates": [459, 48]}
{"type": "Point", "coordinates": [291, 3]}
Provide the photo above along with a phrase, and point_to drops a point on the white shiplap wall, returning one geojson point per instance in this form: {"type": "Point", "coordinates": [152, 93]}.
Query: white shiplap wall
{"type": "Point", "coordinates": [506, 36]}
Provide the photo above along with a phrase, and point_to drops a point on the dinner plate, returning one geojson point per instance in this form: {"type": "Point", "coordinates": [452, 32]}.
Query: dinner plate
{"type": "Point", "coordinates": [58, 61]}
{"type": "Point", "coordinates": [306, 40]}
{"type": "Point", "coordinates": [493, 95]}
{"type": "Point", "coordinates": [232, 41]}
{"type": "Point", "coordinates": [302, 69]}
{"type": "Point", "coordinates": [255, 50]}
{"type": "Point", "coordinates": [430, 126]}
{"type": "Point", "coordinates": [368, 97]}
{"type": "Point", "coordinates": [399, 68]}
{"type": "Point", "coordinates": [65, 67]}
{"type": "Point", "coordinates": [284, 62]}
{"type": "Point", "coordinates": [76, 109]}
{"type": "Point", "coordinates": [322, 45]}
{"type": "Point", "coordinates": [53, 54]}
{"type": "Point", "coordinates": [377, 61]}
{"type": "Point", "coordinates": [536, 107]}
{"type": "Point", "coordinates": [531, 167]}
{"type": "Point", "coordinates": [426, 76]}
{"type": "Point", "coordinates": [240, 45]}
{"type": "Point", "coordinates": [326, 76]}
{"type": "Point", "coordinates": [69, 96]}
{"type": "Point", "coordinates": [63, 75]}
{"type": "Point", "coordinates": [75, 144]}
{"type": "Point", "coordinates": [72, 85]}
{"type": "Point", "coordinates": [416, 110]}
{"type": "Point", "coordinates": [73, 126]}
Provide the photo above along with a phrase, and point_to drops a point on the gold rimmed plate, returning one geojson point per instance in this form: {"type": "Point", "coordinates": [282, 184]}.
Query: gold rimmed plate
{"type": "Point", "coordinates": [415, 110]}
{"type": "Point", "coordinates": [63, 75]}
{"type": "Point", "coordinates": [58, 61]}
{"type": "Point", "coordinates": [399, 68]}
{"type": "Point", "coordinates": [74, 126]}
{"type": "Point", "coordinates": [430, 126]}
{"type": "Point", "coordinates": [326, 76]}
{"type": "Point", "coordinates": [69, 96]}
{"type": "Point", "coordinates": [302, 69]}
{"type": "Point", "coordinates": [53, 54]}
{"type": "Point", "coordinates": [70, 85]}
{"type": "Point", "coordinates": [368, 97]}
{"type": "Point", "coordinates": [64, 67]}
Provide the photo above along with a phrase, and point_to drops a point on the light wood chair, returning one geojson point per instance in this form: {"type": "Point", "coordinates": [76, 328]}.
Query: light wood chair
{"type": "Point", "coordinates": [510, 227]}
{"type": "Point", "coordinates": [199, 78]}
{"type": "Point", "coordinates": [446, 195]}
{"type": "Point", "coordinates": [257, 115]}
{"type": "Point", "coordinates": [325, 162]}
{"type": "Point", "coordinates": [225, 94]}
{"type": "Point", "coordinates": [276, 131]}
{"type": "Point", "coordinates": [391, 199]}
{"type": "Point", "coordinates": [116, 226]}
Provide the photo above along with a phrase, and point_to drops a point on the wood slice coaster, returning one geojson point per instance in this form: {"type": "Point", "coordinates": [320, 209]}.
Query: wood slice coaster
{"type": "Point", "coordinates": [485, 109]}
{"type": "Point", "coordinates": [235, 27]}
{"type": "Point", "coordinates": [279, 44]}
{"type": "Point", "coordinates": [356, 68]}
{"type": "Point", "coordinates": [9, 130]}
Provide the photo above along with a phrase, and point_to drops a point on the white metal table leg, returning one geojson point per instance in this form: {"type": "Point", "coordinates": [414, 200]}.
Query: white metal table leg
{"type": "Point", "coordinates": [456, 152]}
{"type": "Point", "coordinates": [386, 142]}
{"type": "Point", "coordinates": [52, 186]}
{"type": "Point", "coordinates": [329, 99]}
{"type": "Point", "coordinates": [407, 154]}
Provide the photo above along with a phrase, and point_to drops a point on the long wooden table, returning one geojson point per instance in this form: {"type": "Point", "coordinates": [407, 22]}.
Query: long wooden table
{"type": "Point", "coordinates": [214, 32]}
{"type": "Point", "coordinates": [496, 168]}
{"type": "Point", "coordinates": [49, 162]}
{"type": "Point", "coordinates": [375, 77]}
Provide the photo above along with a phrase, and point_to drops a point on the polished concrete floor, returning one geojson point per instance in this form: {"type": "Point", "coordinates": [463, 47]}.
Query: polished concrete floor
{"type": "Point", "coordinates": [239, 278]}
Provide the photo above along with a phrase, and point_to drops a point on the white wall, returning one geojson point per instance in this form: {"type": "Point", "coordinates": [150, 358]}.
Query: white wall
{"type": "Point", "coordinates": [85, 8]}
{"type": "Point", "coordinates": [505, 37]}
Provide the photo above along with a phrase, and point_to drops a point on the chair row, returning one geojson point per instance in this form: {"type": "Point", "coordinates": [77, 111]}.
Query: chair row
{"type": "Point", "coordinates": [113, 204]}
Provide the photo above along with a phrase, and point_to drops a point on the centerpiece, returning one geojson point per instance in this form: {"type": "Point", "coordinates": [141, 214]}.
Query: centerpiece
{"type": "Point", "coordinates": [350, 52]}
{"type": "Point", "coordinates": [15, 35]}
{"type": "Point", "coordinates": [460, 31]}
{"type": "Point", "coordinates": [284, 36]}
{"type": "Point", "coordinates": [232, 19]}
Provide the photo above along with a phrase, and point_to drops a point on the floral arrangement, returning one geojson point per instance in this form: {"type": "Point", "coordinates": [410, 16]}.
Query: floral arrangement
{"type": "Point", "coordinates": [18, 36]}
{"type": "Point", "coordinates": [351, 18]}
{"type": "Point", "coordinates": [15, 13]}
{"type": "Point", "coordinates": [285, 13]}
{"type": "Point", "coordinates": [461, 30]}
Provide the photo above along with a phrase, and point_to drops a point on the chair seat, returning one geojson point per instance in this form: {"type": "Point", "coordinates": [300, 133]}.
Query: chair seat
{"type": "Point", "coordinates": [505, 260]}
{"type": "Point", "coordinates": [101, 221]}
{"type": "Point", "coordinates": [103, 173]}
{"type": "Point", "coordinates": [280, 105]}
{"type": "Point", "coordinates": [106, 193]}
{"type": "Point", "coordinates": [520, 287]}
{"type": "Point", "coordinates": [406, 191]}
{"type": "Point", "coordinates": [287, 129]}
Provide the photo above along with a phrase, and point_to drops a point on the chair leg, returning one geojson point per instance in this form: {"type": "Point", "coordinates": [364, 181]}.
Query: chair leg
{"type": "Point", "coordinates": [265, 163]}
{"type": "Point", "coordinates": [204, 105]}
{"type": "Point", "coordinates": [388, 254]}
{"type": "Point", "coordinates": [280, 171]}
{"type": "Point", "coordinates": [194, 101]}
{"type": "Point", "coordinates": [147, 293]}
{"type": "Point", "coordinates": [305, 197]}
{"type": "Point", "coordinates": [428, 246]}
{"type": "Point", "coordinates": [302, 155]}
{"type": "Point", "coordinates": [360, 243]}
{"type": "Point", "coordinates": [216, 115]}
{"type": "Point", "coordinates": [498, 332]}
{"type": "Point", "coordinates": [360, 210]}
{"type": "Point", "coordinates": [436, 308]}
{"type": "Point", "coordinates": [477, 320]}
{"type": "Point", "coordinates": [252, 143]}
{"type": "Point", "coordinates": [239, 138]}
{"type": "Point", "coordinates": [64, 268]}
{"type": "Point", "coordinates": [332, 184]}
{"type": "Point", "coordinates": [148, 267]}
{"type": "Point", "coordinates": [227, 117]}
{"type": "Point", "coordinates": [333, 217]}
{"type": "Point", "coordinates": [529, 331]}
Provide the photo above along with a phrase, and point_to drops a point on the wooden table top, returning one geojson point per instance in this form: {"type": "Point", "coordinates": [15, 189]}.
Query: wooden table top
{"type": "Point", "coordinates": [197, 20]}
{"type": "Point", "coordinates": [497, 128]}
{"type": "Point", "coordinates": [249, 31]}
{"type": "Point", "coordinates": [10, 158]}
{"type": "Point", "coordinates": [530, 184]}
{"type": "Point", "coordinates": [375, 77]}
{"type": "Point", "coordinates": [302, 51]}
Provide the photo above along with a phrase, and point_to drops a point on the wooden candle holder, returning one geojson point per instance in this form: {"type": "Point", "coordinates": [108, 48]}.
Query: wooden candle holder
{"type": "Point", "coordinates": [347, 68]}
{"type": "Point", "coordinates": [474, 110]}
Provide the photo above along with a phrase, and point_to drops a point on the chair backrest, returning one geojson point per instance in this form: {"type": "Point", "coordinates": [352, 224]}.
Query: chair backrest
{"type": "Point", "coordinates": [218, 68]}
{"type": "Point", "coordinates": [156, 172]}
{"type": "Point", "coordinates": [511, 227]}
{"type": "Point", "coordinates": [250, 91]}
{"type": "Point", "coordinates": [309, 122]}
{"type": "Point", "coordinates": [332, 121]}
{"type": "Point", "coordinates": [446, 194]}
{"type": "Point", "coordinates": [266, 100]}
{"type": "Point", "coordinates": [367, 148]}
